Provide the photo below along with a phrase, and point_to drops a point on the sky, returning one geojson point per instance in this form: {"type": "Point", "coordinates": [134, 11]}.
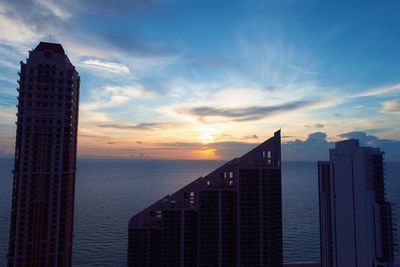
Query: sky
{"type": "Point", "coordinates": [182, 79]}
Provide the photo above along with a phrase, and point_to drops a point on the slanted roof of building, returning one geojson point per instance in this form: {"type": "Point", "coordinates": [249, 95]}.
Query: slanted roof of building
{"type": "Point", "coordinates": [54, 47]}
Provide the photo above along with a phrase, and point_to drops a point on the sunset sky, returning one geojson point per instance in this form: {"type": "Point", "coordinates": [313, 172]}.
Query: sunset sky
{"type": "Point", "coordinates": [210, 79]}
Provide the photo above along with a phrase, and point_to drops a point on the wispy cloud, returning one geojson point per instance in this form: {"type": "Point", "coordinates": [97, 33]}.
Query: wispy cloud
{"type": "Point", "coordinates": [248, 113]}
{"type": "Point", "coordinates": [317, 126]}
{"type": "Point", "coordinates": [24, 22]}
{"type": "Point", "coordinates": [252, 136]}
{"type": "Point", "coordinates": [7, 114]}
{"type": "Point", "coordinates": [392, 106]}
{"type": "Point", "coordinates": [141, 126]}
{"type": "Point", "coordinates": [381, 90]}
{"type": "Point", "coordinates": [118, 7]}
{"type": "Point", "coordinates": [7, 100]}
{"type": "Point", "coordinates": [302, 71]}
{"type": "Point", "coordinates": [55, 8]}
{"type": "Point", "coordinates": [107, 66]}
{"type": "Point", "coordinates": [14, 30]}
{"type": "Point", "coordinates": [114, 96]}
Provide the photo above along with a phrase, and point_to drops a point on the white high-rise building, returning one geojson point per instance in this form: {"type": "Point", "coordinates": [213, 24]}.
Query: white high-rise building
{"type": "Point", "coordinates": [355, 218]}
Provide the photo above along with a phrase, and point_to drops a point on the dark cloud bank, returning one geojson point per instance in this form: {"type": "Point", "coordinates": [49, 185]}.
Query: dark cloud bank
{"type": "Point", "coordinates": [316, 146]}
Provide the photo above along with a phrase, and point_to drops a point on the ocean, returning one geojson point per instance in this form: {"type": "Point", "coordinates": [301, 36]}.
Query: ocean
{"type": "Point", "coordinates": [109, 192]}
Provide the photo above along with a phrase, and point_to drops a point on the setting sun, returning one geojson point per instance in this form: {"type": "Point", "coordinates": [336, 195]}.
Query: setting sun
{"type": "Point", "coordinates": [207, 134]}
{"type": "Point", "coordinates": [206, 138]}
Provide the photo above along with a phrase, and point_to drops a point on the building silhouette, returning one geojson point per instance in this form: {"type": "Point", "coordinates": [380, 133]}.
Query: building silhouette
{"type": "Point", "coordinates": [355, 218]}
{"type": "Point", "coordinates": [45, 160]}
{"type": "Point", "coordinates": [231, 217]}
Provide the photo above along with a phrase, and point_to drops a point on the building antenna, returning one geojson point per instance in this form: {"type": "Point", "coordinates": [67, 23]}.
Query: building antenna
{"type": "Point", "coordinates": [50, 38]}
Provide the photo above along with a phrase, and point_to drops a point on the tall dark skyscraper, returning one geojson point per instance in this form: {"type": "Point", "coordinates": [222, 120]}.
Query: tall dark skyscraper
{"type": "Point", "coordinates": [231, 217]}
{"type": "Point", "coordinates": [45, 160]}
{"type": "Point", "coordinates": [355, 218]}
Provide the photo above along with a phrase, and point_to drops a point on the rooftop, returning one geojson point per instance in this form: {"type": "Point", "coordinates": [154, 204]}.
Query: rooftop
{"type": "Point", "coordinates": [54, 47]}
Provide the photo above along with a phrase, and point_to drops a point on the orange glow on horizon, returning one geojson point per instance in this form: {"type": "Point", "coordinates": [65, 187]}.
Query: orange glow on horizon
{"type": "Point", "coordinates": [207, 154]}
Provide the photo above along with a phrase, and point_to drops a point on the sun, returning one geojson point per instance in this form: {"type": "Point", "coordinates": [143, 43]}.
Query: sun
{"type": "Point", "coordinates": [206, 134]}
{"type": "Point", "coordinates": [207, 138]}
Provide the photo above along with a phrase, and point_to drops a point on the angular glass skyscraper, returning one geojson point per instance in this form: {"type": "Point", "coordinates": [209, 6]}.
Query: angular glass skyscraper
{"type": "Point", "coordinates": [355, 218]}
{"type": "Point", "coordinates": [231, 217]}
{"type": "Point", "coordinates": [45, 160]}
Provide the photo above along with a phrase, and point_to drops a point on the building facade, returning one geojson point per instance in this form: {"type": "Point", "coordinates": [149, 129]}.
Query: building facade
{"type": "Point", "coordinates": [355, 218]}
{"type": "Point", "coordinates": [45, 160]}
{"type": "Point", "coordinates": [231, 217]}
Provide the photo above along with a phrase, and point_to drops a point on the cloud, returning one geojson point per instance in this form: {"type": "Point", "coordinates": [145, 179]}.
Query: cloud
{"type": "Point", "coordinates": [271, 87]}
{"type": "Point", "coordinates": [182, 145]}
{"type": "Point", "coordinates": [363, 137]}
{"type": "Point", "coordinates": [390, 147]}
{"type": "Point", "coordinates": [225, 104]}
{"type": "Point", "coordinates": [392, 106]}
{"type": "Point", "coordinates": [91, 117]}
{"type": "Point", "coordinates": [136, 44]}
{"type": "Point", "coordinates": [222, 150]}
{"type": "Point", "coordinates": [332, 99]}
{"type": "Point", "coordinates": [7, 100]}
{"type": "Point", "coordinates": [13, 30]}
{"type": "Point", "coordinates": [252, 136]}
{"type": "Point", "coordinates": [24, 22]}
{"type": "Point", "coordinates": [316, 147]}
{"type": "Point", "coordinates": [382, 90]}
{"type": "Point", "coordinates": [317, 126]}
{"type": "Point", "coordinates": [7, 115]}
{"type": "Point", "coordinates": [246, 114]}
{"type": "Point", "coordinates": [54, 8]}
{"type": "Point", "coordinates": [300, 70]}
{"type": "Point", "coordinates": [107, 66]}
{"type": "Point", "coordinates": [119, 7]}
{"type": "Point", "coordinates": [229, 150]}
{"type": "Point", "coordinates": [111, 96]}
{"type": "Point", "coordinates": [140, 126]}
